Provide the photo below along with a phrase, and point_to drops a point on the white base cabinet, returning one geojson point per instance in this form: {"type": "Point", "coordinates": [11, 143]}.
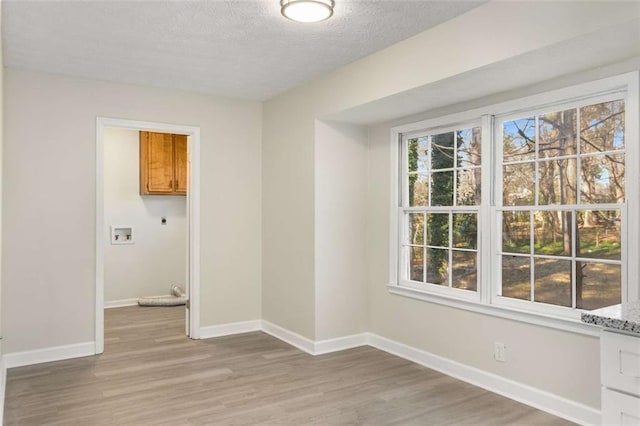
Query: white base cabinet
{"type": "Point", "coordinates": [620, 377]}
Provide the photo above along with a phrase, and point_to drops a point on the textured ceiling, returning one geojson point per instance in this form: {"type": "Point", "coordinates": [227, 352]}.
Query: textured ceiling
{"type": "Point", "coordinates": [234, 48]}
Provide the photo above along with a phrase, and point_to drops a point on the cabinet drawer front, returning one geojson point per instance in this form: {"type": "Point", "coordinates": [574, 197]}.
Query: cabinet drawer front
{"type": "Point", "coordinates": [620, 361]}
{"type": "Point", "coordinates": [620, 409]}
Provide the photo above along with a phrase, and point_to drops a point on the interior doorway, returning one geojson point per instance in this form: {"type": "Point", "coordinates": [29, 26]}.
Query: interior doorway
{"type": "Point", "coordinates": [106, 126]}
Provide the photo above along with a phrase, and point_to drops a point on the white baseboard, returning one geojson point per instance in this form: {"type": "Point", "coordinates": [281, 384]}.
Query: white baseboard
{"type": "Point", "coordinates": [294, 339]}
{"type": "Point", "coordinates": [230, 328]}
{"type": "Point", "coordinates": [340, 343]}
{"type": "Point", "coordinates": [120, 303]}
{"type": "Point", "coordinates": [309, 346]}
{"type": "Point", "coordinates": [542, 400]}
{"type": "Point", "coordinates": [56, 353]}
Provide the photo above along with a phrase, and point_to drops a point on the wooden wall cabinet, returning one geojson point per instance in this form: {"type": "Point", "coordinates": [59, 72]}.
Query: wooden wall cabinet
{"type": "Point", "coordinates": [163, 164]}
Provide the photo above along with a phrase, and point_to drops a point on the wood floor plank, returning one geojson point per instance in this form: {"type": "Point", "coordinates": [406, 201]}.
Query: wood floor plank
{"type": "Point", "coordinates": [151, 374]}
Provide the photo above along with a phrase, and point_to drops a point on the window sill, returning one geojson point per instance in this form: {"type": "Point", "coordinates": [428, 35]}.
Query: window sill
{"type": "Point", "coordinates": [533, 318]}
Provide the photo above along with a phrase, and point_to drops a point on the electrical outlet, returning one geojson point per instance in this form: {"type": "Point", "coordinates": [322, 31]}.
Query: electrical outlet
{"type": "Point", "coordinates": [500, 352]}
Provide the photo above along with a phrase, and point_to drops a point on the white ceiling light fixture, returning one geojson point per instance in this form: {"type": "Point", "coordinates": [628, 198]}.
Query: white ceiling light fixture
{"type": "Point", "coordinates": [307, 10]}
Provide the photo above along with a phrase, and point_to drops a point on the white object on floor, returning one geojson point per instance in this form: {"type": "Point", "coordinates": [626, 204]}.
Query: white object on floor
{"type": "Point", "coordinates": [178, 298]}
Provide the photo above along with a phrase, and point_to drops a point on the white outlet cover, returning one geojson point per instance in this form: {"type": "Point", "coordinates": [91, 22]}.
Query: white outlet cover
{"type": "Point", "coordinates": [500, 352]}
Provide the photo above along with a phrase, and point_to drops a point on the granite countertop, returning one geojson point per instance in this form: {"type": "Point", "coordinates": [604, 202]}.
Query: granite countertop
{"type": "Point", "coordinates": [624, 317]}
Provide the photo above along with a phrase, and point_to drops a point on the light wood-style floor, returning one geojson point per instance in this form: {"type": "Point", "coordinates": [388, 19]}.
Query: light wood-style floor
{"type": "Point", "coordinates": [151, 373]}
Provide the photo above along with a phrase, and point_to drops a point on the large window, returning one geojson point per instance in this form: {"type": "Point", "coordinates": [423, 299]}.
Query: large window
{"type": "Point", "coordinates": [562, 180]}
{"type": "Point", "coordinates": [542, 202]}
{"type": "Point", "coordinates": [441, 200]}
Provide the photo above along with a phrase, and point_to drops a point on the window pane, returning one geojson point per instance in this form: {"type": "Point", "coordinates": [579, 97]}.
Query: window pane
{"type": "Point", "coordinates": [442, 189]}
{"type": "Point", "coordinates": [418, 160]}
{"type": "Point", "coordinates": [468, 191]}
{"type": "Point", "coordinates": [465, 271]}
{"type": "Point", "coordinates": [552, 281]}
{"type": "Point", "coordinates": [518, 184]}
{"type": "Point", "coordinates": [557, 134]}
{"type": "Point", "coordinates": [416, 263]}
{"type": "Point", "coordinates": [418, 190]}
{"type": "Point", "coordinates": [597, 285]}
{"type": "Point", "coordinates": [442, 151]}
{"type": "Point", "coordinates": [602, 179]}
{"type": "Point", "coordinates": [415, 231]}
{"type": "Point", "coordinates": [438, 266]}
{"type": "Point", "coordinates": [516, 277]}
{"type": "Point", "coordinates": [518, 142]}
{"type": "Point", "coordinates": [557, 182]}
{"type": "Point", "coordinates": [438, 229]}
{"type": "Point", "coordinates": [469, 153]}
{"type": "Point", "coordinates": [552, 232]}
{"type": "Point", "coordinates": [602, 127]}
{"type": "Point", "coordinates": [516, 232]}
{"type": "Point", "coordinates": [599, 234]}
{"type": "Point", "coordinates": [465, 230]}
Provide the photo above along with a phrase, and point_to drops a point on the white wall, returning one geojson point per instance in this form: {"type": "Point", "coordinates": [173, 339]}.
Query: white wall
{"type": "Point", "coordinates": [49, 202]}
{"type": "Point", "coordinates": [158, 258]}
{"type": "Point", "coordinates": [288, 292]}
{"type": "Point", "coordinates": [450, 59]}
{"type": "Point", "coordinates": [340, 230]}
{"type": "Point", "coordinates": [2, 384]}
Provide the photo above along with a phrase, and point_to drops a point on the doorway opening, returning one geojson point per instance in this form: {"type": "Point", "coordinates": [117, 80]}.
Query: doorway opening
{"type": "Point", "coordinates": [187, 217]}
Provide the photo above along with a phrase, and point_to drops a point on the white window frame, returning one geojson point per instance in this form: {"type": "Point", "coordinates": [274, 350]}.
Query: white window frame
{"type": "Point", "coordinates": [497, 208]}
{"type": "Point", "coordinates": [439, 289]}
{"type": "Point", "coordinates": [489, 232]}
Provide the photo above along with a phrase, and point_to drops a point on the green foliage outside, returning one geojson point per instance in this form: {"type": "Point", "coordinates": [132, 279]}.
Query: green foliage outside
{"type": "Point", "coordinates": [442, 184]}
{"type": "Point", "coordinates": [413, 165]}
{"type": "Point", "coordinates": [441, 148]}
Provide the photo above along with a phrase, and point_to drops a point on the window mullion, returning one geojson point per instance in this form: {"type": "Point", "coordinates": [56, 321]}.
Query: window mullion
{"type": "Point", "coordinates": [429, 155]}
{"type": "Point", "coordinates": [450, 251]}
{"type": "Point", "coordinates": [578, 159]}
{"type": "Point", "coordinates": [574, 262]}
{"type": "Point", "coordinates": [454, 202]}
{"type": "Point", "coordinates": [424, 247]}
{"type": "Point", "coordinates": [486, 223]}
{"type": "Point", "coordinates": [532, 276]}
{"type": "Point", "coordinates": [536, 170]}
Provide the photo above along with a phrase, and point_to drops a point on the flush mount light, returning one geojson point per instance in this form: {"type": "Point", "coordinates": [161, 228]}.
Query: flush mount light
{"type": "Point", "coordinates": [307, 10]}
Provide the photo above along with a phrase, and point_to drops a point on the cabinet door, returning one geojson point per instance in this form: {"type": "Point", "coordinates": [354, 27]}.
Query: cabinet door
{"type": "Point", "coordinates": [620, 409]}
{"type": "Point", "coordinates": [182, 171]}
{"type": "Point", "coordinates": [620, 362]}
{"type": "Point", "coordinates": [156, 163]}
